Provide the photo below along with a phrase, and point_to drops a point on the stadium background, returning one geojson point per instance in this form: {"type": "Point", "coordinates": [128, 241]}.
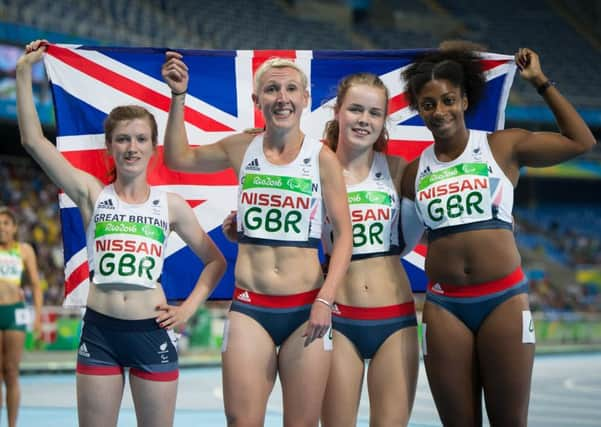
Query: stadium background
{"type": "Point", "coordinates": [558, 210]}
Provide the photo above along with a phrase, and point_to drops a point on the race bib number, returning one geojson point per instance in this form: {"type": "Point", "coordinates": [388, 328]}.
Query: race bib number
{"type": "Point", "coordinates": [456, 195]}
{"type": "Point", "coordinates": [276, 207]}
{"type": "Point", "coordinates": [371, 216]}
{"type": "Point", "coordinates": [128, 252]}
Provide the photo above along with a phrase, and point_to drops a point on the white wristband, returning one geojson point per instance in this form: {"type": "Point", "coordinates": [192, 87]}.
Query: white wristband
{"type": "Point", "coordinates": [323, 301]}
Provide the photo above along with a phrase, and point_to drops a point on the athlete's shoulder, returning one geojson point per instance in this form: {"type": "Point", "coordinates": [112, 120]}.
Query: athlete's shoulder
{"type": "Point", "coordinates": [25, 249]}
{"type": "Point", "coordinates": [242, 138]}
{"type": "Point", "coordinates": [408, 180]}
{"type": "Point", "coordinates": [396, 165]}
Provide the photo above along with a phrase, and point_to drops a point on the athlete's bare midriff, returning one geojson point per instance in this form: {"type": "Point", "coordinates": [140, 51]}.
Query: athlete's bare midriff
{"type": "Point", "coordinates": [472, 257]}
{"type": "Point", "coordinates": [9, 293]}
{"type": "Point", "coordinates": [125, 301]}
{"type": "Point", "coordinates": [279, 270]}
{"type": "Point", "coordinates": [375, 282]}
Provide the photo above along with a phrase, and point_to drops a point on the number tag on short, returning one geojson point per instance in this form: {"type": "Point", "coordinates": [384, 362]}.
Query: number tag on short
{"type": "Point", "coordinates": [528, 336]}
{"type": "Point", "coordinates": [22, 316]}
{"type": "Point", "coordinates": [226, 335]}
{"type": "Point", "coordinates": [327, 340]}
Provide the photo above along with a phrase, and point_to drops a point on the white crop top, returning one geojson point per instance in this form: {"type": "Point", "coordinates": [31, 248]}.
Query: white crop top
{"type": "Point", "coordinates": [126, 243]}
{"type": "Point", "coordinates": [374, 208]}
{"type": "Point", "coordinates": [11, 264]}
{"type": "Point", "coordinates": [468, 193]}
{"type": "Point", "coordinates": [280, 205]}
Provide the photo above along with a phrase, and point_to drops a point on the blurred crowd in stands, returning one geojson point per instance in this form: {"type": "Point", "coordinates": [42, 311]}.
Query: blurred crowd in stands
{"type": "Point", "coordinates": [564, 299]}
{"type": "Point", "coordinates": [26, 190]}
{"type": "Point", "coordinates": [336, 24]}
{"type": "Point", "coordinates": [582, 249]}
{"type": "Point", "coordinates": [561, 240]}
{"type": "Point", "coordinates": [557, 253]}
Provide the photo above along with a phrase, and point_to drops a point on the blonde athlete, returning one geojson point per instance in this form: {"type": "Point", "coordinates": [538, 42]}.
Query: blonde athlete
{"type": "Point", "coordinates": [16, 258]}
{"type": "Point", "coordinates": [477, 322]}
{"type": "Point", "coordinates": [128, 323]}
{"type": "Point", "coordinates": [281, 310]}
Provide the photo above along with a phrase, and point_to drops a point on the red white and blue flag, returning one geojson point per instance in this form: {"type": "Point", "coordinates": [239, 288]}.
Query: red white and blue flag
{"type": "Point", "coordinates": [88, 81]}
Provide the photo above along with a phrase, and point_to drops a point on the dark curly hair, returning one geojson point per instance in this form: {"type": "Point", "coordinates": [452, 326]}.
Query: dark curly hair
{"type": "Point", "coordinates": [332, 129]}
{"type": "Point", "coordinates": [455, 61]}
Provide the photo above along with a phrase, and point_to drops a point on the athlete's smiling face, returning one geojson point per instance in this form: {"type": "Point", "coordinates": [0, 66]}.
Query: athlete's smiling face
{"type": "Point", "coordinates": [131, 146]}
{"type": "Point", "coordinates": [281, 97]}
{"type": "Point", "coordinates": [362, 115]}
{"type": "Point", "coordinates": [442, 105]}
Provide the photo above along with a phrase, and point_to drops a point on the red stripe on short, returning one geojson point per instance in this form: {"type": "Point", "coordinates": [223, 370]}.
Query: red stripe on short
{"type": "Point", "coordinates": [375, 313]}
{"type": "Point", "coordinates": [479, 289]}
{"type": "Point", "coordinates": [155, 376]}
{"type": "Point", "coordinates": [275, 301]}
{"type": "Point", "coordinates": [98, 370]}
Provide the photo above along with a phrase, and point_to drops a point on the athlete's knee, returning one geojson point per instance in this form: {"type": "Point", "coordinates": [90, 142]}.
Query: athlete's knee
{"type": "Point", "coordinates": [336, 422]}
{"type": "Point", "coordinates": [301, 423]}
{"type": "Point", "coordinates": [307, 420]}
{"type": "Point", "coordinates": [508, 418]}
{"type": "Point", "coordinates": [460, 418]}
{"type": "Point", "coordinates": [384, 418]}
{"type": "Point", "coordinates": [244, 420]}
{"type": "Point", "coordinates": [509, 422]}
{"type": "Point", "coordinates": [338, 418]}
{"type": "Point", "coordinates": [10, 373]}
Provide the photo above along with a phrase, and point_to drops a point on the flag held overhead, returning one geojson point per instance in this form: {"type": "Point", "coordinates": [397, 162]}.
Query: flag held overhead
{"type": "Point", "coordinates": [88, 81]}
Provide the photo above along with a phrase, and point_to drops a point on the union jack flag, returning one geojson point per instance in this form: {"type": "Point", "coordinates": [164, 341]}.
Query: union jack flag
{"type": "Point", "coordinates": [88, 81]}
